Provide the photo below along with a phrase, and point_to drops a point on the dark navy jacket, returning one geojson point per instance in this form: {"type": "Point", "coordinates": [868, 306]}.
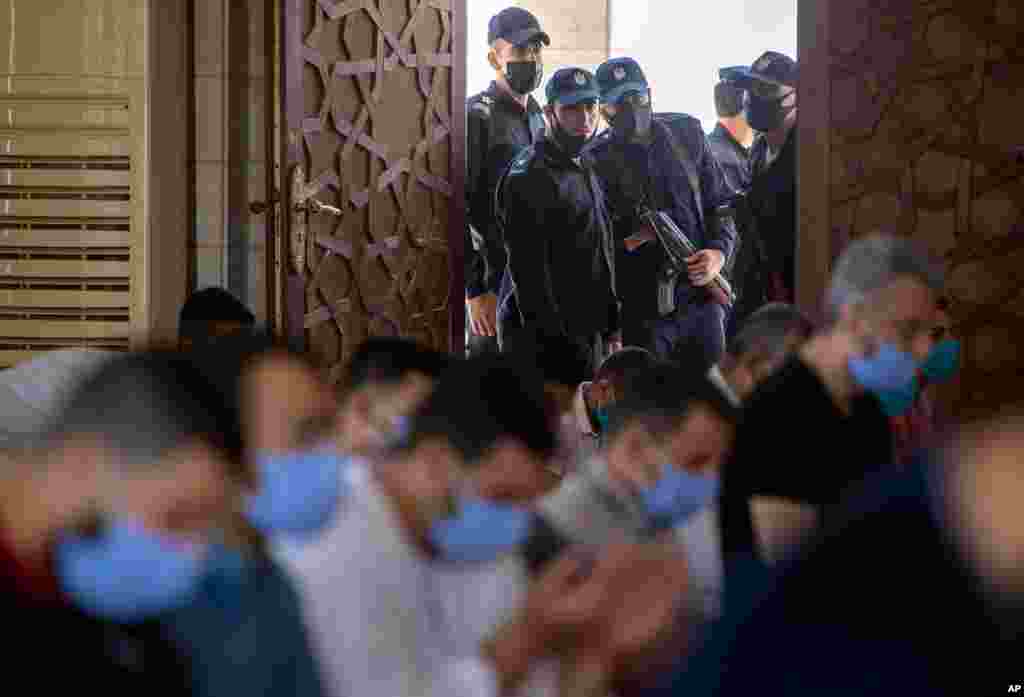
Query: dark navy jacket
{"type": "Point", "coordinates": [748, 273]}
{"type": "Point", "coordinates": [630, 173]}
{"type": "Point", "coordinates": [559, 241]}
{"type": "Point", "coordinates": [772, 200]}
{"type": "Point", "coordinates": [735, 160]}
{"type": "Point", "coordinates": [498, 128]}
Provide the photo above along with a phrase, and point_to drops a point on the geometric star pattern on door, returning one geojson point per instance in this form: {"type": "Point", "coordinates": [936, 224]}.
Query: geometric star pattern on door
{"type": "Point", "coordinates": [377, 134]}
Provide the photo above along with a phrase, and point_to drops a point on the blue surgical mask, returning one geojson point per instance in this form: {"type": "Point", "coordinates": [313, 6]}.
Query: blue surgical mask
{"type": "Point", "coordinates": [128, 573]}
{"type": "Point", "coordinates": [481, 530]}
{"type": "Point", "coordinates": [943, 362]}
{"type": "Point", "coordinates": [898, 402]}
{"type": "Point", "coordinates": [677, 495]}
{"type": "Point", "coordinates": [299, 491]}
{"type": "Point", "coordinates": [889, 369]}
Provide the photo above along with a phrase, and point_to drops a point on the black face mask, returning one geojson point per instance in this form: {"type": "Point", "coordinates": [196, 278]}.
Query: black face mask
{"type": "Point", "coordinates": [766, 114]}
{"type": "Point", "coordinates": [524, 76]}
{"type": "Point", "coordinates": [571, 144]}
{"type": "Point", "coordinates": [633, 122]}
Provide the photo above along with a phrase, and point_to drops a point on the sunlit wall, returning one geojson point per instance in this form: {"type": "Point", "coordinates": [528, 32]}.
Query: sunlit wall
{"type": "Point", "coordinates": [681, 44]}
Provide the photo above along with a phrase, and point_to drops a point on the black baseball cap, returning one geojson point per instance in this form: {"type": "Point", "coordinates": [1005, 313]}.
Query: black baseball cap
{"type": "Point", "coordinates": [773, 68]}
{"type": "Point", "coordinates": [618, 77]}
{"type": "Point", "coordinates": [570, 86]}
{"type": "Point", "coordinates": [516, 26]}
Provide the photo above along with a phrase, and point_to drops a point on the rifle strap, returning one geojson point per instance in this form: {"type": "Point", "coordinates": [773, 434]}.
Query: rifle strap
{"type": "Point", "coordinates": [690, 167]}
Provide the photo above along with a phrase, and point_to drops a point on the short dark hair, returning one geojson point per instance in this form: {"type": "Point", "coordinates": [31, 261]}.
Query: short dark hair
{"type": "Point", "coordinates": [389, 360]}
{"type": "Point", "coordinates": [729, 99]}
{"type": "Point", "coordinates": [208, 306]}
{"type": "Point", "coordinates": [480, 401]}
{"type": "Point", "coordinates": [144, 405]}
{"type": "Point", "coordinates": [662, 397]}
{"type": "Point", "coordinates": [620, 368]}
{"type": "Point", "coordinates": [766, 333]}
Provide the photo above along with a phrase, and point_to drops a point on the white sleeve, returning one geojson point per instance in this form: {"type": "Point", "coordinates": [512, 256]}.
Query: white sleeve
{"type": "Point", "coordinates": [474, 677]}
{"type": "Point", "coordinates": [466, 677]}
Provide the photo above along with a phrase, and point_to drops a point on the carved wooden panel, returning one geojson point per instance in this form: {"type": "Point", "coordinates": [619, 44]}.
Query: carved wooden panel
{"type": "Point", "coordinates": [377, 132]}
{"type": "Point", "coordinates": [926, 97]}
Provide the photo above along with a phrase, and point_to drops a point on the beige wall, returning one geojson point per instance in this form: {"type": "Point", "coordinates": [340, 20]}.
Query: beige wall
{"type": "Point", "coordinates": [578, 30]}
{"type": "Point", "coordinates": [231, 152]}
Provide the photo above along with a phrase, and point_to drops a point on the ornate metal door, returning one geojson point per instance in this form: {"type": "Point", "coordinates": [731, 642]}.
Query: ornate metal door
{"type": "Point", "coordinates": [373, 95]}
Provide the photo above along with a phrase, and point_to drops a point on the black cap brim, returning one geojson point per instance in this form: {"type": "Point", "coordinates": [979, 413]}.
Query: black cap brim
{"type": "Point", "coordinates": [744, 77]}
{"type": "Point", "coordinates": [521, 38]}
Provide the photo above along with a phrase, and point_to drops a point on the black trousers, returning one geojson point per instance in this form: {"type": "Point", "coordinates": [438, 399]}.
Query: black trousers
{"type": "Point", "coordinates": [698, 327]}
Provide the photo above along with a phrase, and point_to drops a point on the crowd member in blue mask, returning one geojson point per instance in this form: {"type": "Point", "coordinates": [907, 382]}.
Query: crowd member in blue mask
{"type": "Point", "coordinates": [245, 631]}
{"type": "Point", "coordinates": [668, 437]}
{"type": "Point", "coordinates": [107, 520]}
{"type": "Point", "coordinates": [385, 381]}
{"type": "Point", "coordinates": [913, 412]}
{"type": "Point", "coordinates": [424, 563]}
{"type": "Point", "coordinates": [882, 299]}
{"type": "Point", "coordinates": [867, 607]}
{"type": "Point", "coordinates": [594, 399]}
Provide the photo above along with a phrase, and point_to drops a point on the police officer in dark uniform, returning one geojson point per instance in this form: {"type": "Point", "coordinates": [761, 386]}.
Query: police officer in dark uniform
{"type": "Point", "coordinates": [501, 121]}
{"type": "Point", "coordinates": [558, 236]}
{"type": "Point", "coordinates": [733, 138]}
{"type": "Point", "coordinates": [662, 162]}
{"type": "Point", "coordinates": [732, 143]}
{"type": "Point", "coordinates": [772, 110]}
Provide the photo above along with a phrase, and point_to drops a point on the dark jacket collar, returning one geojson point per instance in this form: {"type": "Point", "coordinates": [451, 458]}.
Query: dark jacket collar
{"type": "Point", "coordinates": [723, 133]}
{"type": "Point", "coordinates": [552, 152]}
{"type": "Point", "coordinates": [505, 101]}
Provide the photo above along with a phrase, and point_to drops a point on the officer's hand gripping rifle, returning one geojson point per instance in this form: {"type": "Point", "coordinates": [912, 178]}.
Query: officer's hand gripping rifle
{"type": "Point", "coordinates": [678, 248]}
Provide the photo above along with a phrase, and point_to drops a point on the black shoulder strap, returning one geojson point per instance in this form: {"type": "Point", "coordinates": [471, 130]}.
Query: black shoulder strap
{"type": "Point", "coordinates": [690, 167]}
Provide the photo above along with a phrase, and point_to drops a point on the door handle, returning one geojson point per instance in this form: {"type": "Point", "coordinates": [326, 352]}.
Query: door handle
{"type": "Point", "coordinates": [302, 203]}
{"type": "Point", "coordinates": [312, 205]}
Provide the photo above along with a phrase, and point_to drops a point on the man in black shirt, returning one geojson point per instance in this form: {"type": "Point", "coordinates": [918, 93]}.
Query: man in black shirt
{"type": "Point", "coordinates": [883, 298]}
{"type": "Point", "coordinates": [558, 233]}
{"type": "Point", "coordinates": [772, 111]}
{"type": "Point", "coordinates": [501, 121]}
{"type": "Point", "coordinates": [733, 138]}
{"type": "Point", "coordinates": [732, 143]}
{"type": "Point", "coordinates": [913, 588]}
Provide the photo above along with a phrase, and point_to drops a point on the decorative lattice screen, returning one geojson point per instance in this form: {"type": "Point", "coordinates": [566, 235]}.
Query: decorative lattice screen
{"type": "Point", "coordinates": [377, 132]}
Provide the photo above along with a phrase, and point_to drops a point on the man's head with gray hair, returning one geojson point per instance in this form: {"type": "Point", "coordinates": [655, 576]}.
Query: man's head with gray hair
{"type": "Point", "coordinates": [885, 290]}
{"type": "Point", "coordinates": [872, 264]}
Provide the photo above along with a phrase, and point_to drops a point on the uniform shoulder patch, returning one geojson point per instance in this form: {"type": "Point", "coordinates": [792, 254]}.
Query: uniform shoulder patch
{"type": "Point", "coordinates": [521, 163]}
{"type": "Point", "coordinates": [479, 106]}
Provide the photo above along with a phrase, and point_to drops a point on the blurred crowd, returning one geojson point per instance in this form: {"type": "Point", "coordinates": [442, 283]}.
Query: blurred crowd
{"type": "Point", "coordinates": [218, 520]}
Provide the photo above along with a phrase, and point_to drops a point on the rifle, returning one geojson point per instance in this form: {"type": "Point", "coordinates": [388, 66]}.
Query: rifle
{"type": "Point", "coordinates": [678, 248]}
